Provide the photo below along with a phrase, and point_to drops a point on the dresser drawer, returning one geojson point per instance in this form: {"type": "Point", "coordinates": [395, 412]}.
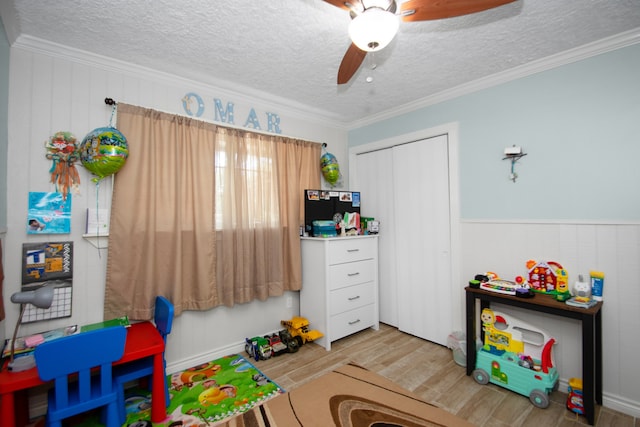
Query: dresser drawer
{"type": "Point", "coordinates": [354, 249]}
{"type": "Point", "coordinates": [349, 322]}
{"type": "Point", "coordinates": [351, 297]}
{"type": "Point", "coordinates": [353, 273]}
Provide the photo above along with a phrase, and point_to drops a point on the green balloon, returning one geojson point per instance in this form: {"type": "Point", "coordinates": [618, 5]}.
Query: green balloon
{"type": "Point", "coordinates": [330, 168]}
{"type": "Point", "coordinates": [104, 151]}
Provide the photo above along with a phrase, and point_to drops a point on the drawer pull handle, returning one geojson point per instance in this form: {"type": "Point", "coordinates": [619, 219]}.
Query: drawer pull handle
{"type": "Point", "coordinates": [354, 298]}
{"type": "Point", "coordinates": [353, 250]}
{"type": "Point", "coordinates": [354, 322]}
{"type": "Point", "coordinates": [353, 274]}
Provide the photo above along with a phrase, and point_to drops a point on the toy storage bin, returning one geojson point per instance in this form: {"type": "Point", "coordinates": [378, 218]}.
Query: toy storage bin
{"type": "Point", "coordinates": [457, 342]}
{"type": "Point", "coordinates": [324, 228]}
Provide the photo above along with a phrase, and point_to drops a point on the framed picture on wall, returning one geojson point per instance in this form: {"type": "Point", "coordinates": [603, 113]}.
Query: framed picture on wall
{"type": "Point", "coordinates": [49, 213]}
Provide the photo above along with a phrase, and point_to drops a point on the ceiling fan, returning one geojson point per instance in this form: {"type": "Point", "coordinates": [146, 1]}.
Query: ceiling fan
{"type": "Point", "coordinates": [375, 23]}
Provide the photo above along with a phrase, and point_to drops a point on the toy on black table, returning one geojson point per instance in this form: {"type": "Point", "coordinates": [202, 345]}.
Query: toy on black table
{"type": "Point", "coordinates": [549, 278]}
{"type": "Point", "coordinates": [524, 290]}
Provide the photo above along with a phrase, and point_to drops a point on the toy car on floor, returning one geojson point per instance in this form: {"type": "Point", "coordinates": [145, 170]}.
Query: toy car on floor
{"type": "Point", "coordinates": [276, 344]}
{"type": "Point", "coordinates": [298, 327]}
{"type": "Point", "coordinates": [289, 341]}
{"type": "Point", "coordinates": [258, 348]}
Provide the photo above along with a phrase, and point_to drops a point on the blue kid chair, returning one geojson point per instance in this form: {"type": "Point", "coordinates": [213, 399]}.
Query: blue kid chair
{"type": "Point", "coordinates": [61, 359]}
{"type": "Point", "coordinates": [163, 318]}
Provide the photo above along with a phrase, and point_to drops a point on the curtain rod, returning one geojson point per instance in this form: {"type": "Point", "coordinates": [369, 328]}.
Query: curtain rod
{"type": "Point", "coordinates": [111, 101]}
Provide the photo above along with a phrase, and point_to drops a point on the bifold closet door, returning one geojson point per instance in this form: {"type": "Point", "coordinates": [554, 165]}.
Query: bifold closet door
{"type": "Point", "coordinates": [422, 238]}
{"type": "Point", "coordinates": [375, 182]}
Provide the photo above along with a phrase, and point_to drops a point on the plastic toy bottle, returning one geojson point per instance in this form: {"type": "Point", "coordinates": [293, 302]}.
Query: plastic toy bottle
{"type": "Point", "coordinates": [582, 290]}
{"type": "Point", "coordinates": [597, 284]}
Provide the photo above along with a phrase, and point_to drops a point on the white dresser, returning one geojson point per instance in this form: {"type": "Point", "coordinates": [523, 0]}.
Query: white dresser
{"type": "Point", "coordinates": [339, 293]}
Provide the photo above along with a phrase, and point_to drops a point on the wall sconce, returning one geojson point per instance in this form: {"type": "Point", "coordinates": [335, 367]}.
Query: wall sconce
{"type": "Point", "coordinates": [513, 154]}
{"type": "Point", "coordinates": [41, 298]}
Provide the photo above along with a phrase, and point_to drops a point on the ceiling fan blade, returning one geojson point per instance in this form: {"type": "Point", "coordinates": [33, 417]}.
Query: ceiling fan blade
{"type": "Point", "coordinates": [425, 10]}
{"type": "Point", "coordinates": [350, 63]}
{"type": "Point", "coordinates": [341, 4]}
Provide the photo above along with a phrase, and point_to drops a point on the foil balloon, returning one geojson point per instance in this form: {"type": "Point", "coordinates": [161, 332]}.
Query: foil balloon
{"type": "Point", "coordinates": [104, 152]}
{"type": "Point", "coordinates": [330, 168]}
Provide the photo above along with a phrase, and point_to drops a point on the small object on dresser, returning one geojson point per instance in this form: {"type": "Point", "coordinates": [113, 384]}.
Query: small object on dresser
{"type": "Point", "coordinates": [322, 228]}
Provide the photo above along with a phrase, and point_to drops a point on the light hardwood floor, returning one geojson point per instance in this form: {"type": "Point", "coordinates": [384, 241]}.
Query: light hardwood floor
{"type": "Point", "coordinates": [428, 370]}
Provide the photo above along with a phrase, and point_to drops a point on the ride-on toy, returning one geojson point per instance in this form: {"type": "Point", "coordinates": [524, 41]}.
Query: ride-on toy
{"type": "Point", "coordinates": [511, 358]}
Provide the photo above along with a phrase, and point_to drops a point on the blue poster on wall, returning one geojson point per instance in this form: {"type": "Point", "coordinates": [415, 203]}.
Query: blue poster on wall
{"type": "Point", "coordinates": [49, 213]}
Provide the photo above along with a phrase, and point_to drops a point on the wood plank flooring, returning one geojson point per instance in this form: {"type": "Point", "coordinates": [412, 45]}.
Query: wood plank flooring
{"type": "Point", "coordinates": [428, 370]}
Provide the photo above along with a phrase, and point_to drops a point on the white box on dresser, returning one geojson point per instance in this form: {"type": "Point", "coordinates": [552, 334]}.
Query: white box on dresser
{"type": "Point", "coordinates": [339, 293]}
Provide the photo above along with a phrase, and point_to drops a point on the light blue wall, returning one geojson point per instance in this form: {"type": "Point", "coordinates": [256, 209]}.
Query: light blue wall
{"type": "Point", "coordinates": [4, 106]}
{"type": "Point", "coordinates": [579, 125]}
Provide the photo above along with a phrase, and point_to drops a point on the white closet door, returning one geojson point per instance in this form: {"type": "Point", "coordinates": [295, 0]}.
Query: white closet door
{"type": "Point", "coordinates": [422, 238]}
{"type": "Point", "coordinates": [375, 183]}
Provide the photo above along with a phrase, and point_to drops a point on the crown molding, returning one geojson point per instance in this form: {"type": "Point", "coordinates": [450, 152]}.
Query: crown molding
{"type": "Point", "coordinates": [304, 112]}
{"type": "Point", "coordinates": [589, 50]}
{"type": "Point", "coordinates": [222, 88]}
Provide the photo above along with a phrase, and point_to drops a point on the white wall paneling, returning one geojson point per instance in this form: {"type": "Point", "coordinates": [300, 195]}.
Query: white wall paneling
{"type": "Point", "coordinates": [54, 89]}
{"type": "Point", "coordinates": [504, 247]}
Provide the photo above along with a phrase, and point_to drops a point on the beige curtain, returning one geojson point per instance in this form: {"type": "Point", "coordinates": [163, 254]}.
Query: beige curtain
{"type": "Point", "coordinates": [204, 215]}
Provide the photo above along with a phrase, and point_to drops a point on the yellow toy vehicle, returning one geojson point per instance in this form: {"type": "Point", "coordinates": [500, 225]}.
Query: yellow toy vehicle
{"type": "Point", "coordinates": [298, 328]}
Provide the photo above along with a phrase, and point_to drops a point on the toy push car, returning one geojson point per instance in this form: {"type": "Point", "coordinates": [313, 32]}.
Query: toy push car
{"type": "Point", "coordinates": [510, 371]}
{"type": "Point", "coordinates": [513, 356]}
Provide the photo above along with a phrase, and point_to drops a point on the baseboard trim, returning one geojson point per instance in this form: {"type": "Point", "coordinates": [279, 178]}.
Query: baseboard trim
{"type": "Point", "coordinates": [198, 359]}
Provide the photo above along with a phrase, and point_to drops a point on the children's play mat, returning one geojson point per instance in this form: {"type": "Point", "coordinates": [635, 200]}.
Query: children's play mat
{"type": "Point", "coordinates": [206, 394]}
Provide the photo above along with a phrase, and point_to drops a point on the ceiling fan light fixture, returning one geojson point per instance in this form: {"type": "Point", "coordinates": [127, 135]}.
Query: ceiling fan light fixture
{"type": "Point", "coordinates": [373, 29]}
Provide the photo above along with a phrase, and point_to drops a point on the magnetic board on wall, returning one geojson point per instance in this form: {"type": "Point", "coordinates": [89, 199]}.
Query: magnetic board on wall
{"type": "Point", "coordinates": [324, 204]}
{"type": "Point", "coordinates": [48, 263]}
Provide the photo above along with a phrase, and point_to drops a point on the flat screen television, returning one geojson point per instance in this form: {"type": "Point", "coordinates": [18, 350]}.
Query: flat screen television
{"type": "Point", "coordinates": [325, 204]}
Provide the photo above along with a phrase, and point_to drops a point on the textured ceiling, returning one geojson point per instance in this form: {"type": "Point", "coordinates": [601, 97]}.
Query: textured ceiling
{"type": "Point", "coordinates": [291, 49]}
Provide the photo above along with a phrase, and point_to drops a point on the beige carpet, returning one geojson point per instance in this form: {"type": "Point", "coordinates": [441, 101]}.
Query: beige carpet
{"type": "Point", "coordinates": [349, 396]}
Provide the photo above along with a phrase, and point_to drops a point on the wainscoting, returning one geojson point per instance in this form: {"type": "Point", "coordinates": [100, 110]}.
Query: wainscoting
{"type": "Point", "coordinates": [614, 248]}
